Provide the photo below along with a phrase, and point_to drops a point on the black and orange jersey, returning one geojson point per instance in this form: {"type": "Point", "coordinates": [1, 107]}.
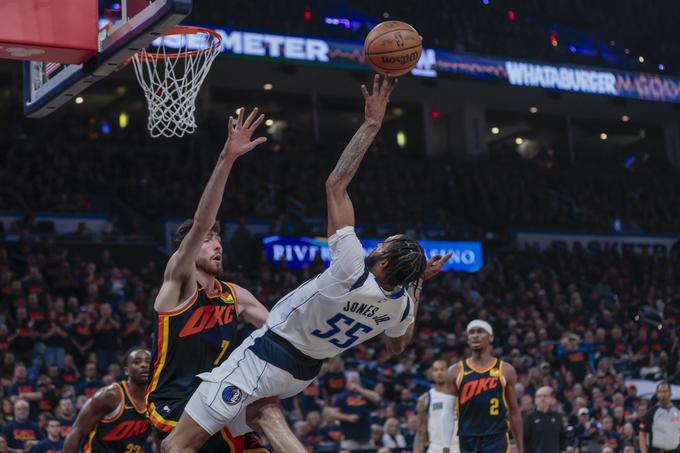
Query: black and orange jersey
{"type": "Point", "coordinates": [482, 409]}
{"type": "Point", "coordinates": [125, 431]}
{"type": "Point", "coordinates": [196, 337]}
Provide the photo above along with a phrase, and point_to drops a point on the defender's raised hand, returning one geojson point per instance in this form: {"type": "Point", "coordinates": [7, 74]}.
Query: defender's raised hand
{"type": "Point", "coordinates": [240, 132]}
{"type": "Point", "coordinates": [376, 103]}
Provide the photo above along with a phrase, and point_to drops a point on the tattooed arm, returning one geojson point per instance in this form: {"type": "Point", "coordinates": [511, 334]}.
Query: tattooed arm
{"type": "Point", "coordinates": [340, 209]}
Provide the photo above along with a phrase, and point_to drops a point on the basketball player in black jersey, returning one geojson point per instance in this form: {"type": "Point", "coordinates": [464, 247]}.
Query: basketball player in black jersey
{"type": "Point", "coordinates": [115, 419]}
{"type": "Point", "coordinates": [196, 313]}
{"type": "Point", "coordinates": [486, 399]}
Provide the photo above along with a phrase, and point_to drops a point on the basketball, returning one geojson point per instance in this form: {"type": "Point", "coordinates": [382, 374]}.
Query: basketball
{"type": "Point", "coordinates": [393, 48]}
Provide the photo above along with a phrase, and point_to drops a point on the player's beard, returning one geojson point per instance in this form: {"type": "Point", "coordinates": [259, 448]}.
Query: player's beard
{"type": "Point", "coordinates": [372, 259]}
{"type": "Point", "coordinates": [210, 267]}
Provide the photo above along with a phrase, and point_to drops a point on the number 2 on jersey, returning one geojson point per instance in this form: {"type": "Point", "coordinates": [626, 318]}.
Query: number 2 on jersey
{"type": "Point", "coordinates": [493, 410]}
{"type": "Point", "coordinates": [349, 333]}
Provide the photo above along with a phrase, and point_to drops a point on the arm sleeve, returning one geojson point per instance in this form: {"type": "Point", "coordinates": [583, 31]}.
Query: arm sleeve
{"type": "Point", "coordinates": [347, 254]}
{"type": "Point", "coordinates": [407, 318]}
{"type": "Point", "coordinates": [347, 263]}
{"type": "Point", "coordinates": [646, 424]}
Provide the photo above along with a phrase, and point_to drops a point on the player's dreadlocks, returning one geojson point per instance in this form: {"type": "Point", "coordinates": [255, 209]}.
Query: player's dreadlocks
{"type": "Point", "coordinates": [406, 260]}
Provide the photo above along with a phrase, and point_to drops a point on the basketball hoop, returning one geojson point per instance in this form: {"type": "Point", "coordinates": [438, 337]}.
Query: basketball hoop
{"type": "Point", "coordinates": [171, 72]}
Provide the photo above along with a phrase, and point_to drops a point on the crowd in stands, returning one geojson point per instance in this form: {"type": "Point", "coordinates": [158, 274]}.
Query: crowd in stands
{"type": "Point", "coordinates": [467, 198]}
{"type": "Point", "coordinates": [584, 32]}
{"type": "Point", "coordinates": [580, 323]}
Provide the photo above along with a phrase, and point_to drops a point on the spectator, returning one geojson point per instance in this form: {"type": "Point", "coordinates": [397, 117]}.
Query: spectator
{"type": "Point", "coordinates": [89, 384]}
{"type": "Point", "coordinates": [66, 415]}
{"type": "Point", "coordinates": [660, 429]}
{"type": "Point", "coordinates": [133, 327]}
{"type": "Point", "coordinates": [377, 435]}
{"type": "Point", "coordinates": [53, 443]}
{"type": "Point", "coordinates": [69, 374]}
{"type": "Point", "coordinates": [4, 446]}
{"type": "Point", "coordinates": [609, 436]}
{"type": "Point", "coordinates": [392, 437]}
{"type": "Point", "coordinates": [21, 433]}
{"type": "Point", "coordinates": [301, 431]}
{"type": "Point", "coordinates": [107, 333]}
{"type": "Point", "coordinates": [354, 407]}
{"type": "Point", "coordinates": [333, 381]}
{"type": "Point", "coordinates": [575, 360]}
{"type": "Point", "coordinates": [55, 338]}
{"type": "Point", "coordinates": [82, 336]}
{"type": "Point", "coordinates": [25, 389]}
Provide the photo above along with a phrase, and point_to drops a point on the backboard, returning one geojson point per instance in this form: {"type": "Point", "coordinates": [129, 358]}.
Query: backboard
{"type": "Point", "coordinates": [121, 30]}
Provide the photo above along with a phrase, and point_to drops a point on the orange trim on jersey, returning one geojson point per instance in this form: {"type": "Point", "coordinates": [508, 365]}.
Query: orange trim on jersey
{"type": "Point", "coordinates": [162, 351]}
{"type": "Point", "coordinates": [122, 406]}
{"type": "Point", "coordinates": [493, 364]}
{"type": "Point", "coordinates": [158, 421]}
{"type": "Point", "coordinates": [181, 310]}
{"type": "Point", "coordinates": [234, 296]}
{"type": "Point", "coordinates": [127, 392]}
{"type": "Point", "coordinates": [87, 448]}
{"type": "Point", "coordinates": [507, 436]}
{"type": "Point", "coordinates": [505, 400]}
{"type": "Point", "coordinates": [256, 450]}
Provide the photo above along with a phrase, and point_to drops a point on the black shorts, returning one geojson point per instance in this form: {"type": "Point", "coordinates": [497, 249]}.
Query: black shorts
{"type": "Point", "coordinates": [656, 450]}
{"type": "Point", "coordinates": [495, 443]}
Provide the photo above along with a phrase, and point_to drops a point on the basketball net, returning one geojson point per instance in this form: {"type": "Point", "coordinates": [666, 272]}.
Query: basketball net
{"type": "Point", "coordinates": [171, 72]}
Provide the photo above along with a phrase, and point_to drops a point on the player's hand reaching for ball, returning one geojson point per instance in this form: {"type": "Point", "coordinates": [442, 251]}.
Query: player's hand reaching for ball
{"type": "Point", "coordinates": [376, 102]}
{"type": "Point", "coordinates": [240, 133]}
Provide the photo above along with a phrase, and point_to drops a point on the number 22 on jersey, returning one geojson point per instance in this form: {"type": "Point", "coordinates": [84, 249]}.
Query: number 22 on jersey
{"type": "Point", "coordinates": [346, 329]}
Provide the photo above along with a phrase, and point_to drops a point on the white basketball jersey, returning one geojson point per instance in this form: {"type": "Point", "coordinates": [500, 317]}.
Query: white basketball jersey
{"type": "Point", "coordinates": [341, 307]}
{"type": "Point", "coordinates": [440, 403]}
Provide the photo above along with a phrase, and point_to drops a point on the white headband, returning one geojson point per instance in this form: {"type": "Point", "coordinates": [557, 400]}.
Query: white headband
{"type": "Point", "coordinates": [481, 324]}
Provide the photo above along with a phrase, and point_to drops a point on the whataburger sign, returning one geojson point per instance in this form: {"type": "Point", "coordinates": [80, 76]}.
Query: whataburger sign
{"type": "Point", "coordinates": [595, 243]}
{"type": "Point", "coordinates": [440, 62]}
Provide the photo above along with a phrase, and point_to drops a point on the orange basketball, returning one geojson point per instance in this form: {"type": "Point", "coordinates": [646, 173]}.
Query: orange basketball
{"type": "Point", "coordinates": [393, 48]}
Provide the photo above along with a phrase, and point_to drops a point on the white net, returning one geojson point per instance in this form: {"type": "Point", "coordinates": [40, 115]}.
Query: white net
{"type": "Point", "coordinates": [171, 72]}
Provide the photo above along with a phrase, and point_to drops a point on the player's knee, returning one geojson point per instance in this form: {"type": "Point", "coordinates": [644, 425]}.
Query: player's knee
{"type": "Point", "coordinates": [266, 411]}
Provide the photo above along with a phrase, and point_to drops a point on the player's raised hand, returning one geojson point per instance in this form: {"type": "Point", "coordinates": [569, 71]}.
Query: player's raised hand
{"type": "Point", "coordinates": [376, 102]}
{"type": "Point", "coordinates": [240, 133]}
{"type": "Point", "coordinates": [435, 264]}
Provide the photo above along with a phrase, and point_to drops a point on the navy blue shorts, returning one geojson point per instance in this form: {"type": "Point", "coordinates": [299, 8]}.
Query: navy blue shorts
{"type": "Point", "coordinates": [496, 443]}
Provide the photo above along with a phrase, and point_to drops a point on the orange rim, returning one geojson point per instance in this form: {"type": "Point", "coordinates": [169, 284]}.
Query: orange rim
{"type": "Point", "coordinates": [183, 30]}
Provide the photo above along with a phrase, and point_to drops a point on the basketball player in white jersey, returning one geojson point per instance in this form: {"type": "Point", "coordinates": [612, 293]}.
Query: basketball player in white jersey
{"type": "Point", "coordinates": [355, 299]}
{"type": "Point", "coordinates": [432, 406]}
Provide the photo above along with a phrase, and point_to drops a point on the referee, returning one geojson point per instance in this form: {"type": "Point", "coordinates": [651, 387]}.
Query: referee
{"type": "Point", "coordinates": [660, 428]}
{"type": "Point", "coordinates": [543, 428]}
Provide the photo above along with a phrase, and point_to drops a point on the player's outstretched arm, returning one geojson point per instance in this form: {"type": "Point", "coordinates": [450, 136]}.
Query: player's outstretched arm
{"type": "Point", "coordinates": [249, 308]}
{"type": "Point", "coordinates": [420, 441]}
{"type": "Point", "coordinates": [103, 402]}
{"type": "Point", "coordinates": [178, 281]}
{"type": "Point", "coordinates": [515, 414]}
{"type": "Point", "coordinates": [340, 209]}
